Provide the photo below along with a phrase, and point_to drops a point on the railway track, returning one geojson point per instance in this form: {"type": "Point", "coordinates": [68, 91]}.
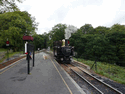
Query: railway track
{"type": "Point", "coordinates": [2, 65]}
{"type": "Point", "coordinates": [7, 63]}
{"type": "Point", "coordinates": [99, 86]}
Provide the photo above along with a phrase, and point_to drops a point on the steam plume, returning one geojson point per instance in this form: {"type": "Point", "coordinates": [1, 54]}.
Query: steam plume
{"type": "Point", "coordinates": [70, 29]}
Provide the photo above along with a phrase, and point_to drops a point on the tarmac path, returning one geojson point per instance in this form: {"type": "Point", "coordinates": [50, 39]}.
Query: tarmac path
{"type": "Point", "coordinates": [45, 78]}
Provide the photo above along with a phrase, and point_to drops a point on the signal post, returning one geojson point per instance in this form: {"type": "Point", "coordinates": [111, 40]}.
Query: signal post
{"type": "Point", "coordinates": [7, 44]}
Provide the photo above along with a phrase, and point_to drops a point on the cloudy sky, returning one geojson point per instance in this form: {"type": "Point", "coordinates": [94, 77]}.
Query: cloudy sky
{"type": "Point", "coordinates": [74, 12]}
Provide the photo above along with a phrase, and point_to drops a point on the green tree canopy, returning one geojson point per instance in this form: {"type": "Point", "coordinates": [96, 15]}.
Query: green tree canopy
{"type": "Point", "coordinates": [118, 28]}
{"type": "Point", "coordinates": [13, 25]}
{"type": "Point", "coordinates": [87, 29]}
{"type": "Point", "coordinates": [117, 40]}
{"type": "Point", "coordinates": [38, 41]}
{"type": "Point", "coordinates": [101, 30]}
{"type": "Point", "coordinates": [57, 33]}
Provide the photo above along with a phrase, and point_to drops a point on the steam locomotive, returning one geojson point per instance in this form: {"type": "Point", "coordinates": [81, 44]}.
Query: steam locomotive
{"type": "Point", "coordinates": [63, 53]}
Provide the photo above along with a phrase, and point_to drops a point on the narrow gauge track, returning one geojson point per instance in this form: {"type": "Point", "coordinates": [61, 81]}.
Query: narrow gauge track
{"type": "Point", "coordinates": [2, 65]}
{"type": "Point", "coordinates": [98, 85]}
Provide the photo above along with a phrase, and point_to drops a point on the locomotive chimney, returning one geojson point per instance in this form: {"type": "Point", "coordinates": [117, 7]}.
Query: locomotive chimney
{"type": "Point", "coordinates": [66, 42]}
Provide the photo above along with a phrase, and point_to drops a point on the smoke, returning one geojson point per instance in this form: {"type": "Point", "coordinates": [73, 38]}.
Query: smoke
{"type": "Point", "coordinates": [70, 29]}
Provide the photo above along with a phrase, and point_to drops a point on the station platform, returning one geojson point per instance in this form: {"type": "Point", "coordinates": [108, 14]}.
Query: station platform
{"type": "Point", "coordinates": [46, 77]}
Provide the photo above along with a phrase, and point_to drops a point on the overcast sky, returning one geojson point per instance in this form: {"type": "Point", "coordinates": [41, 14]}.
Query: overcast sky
{"type": "Point", "coordinates": [74, 12]}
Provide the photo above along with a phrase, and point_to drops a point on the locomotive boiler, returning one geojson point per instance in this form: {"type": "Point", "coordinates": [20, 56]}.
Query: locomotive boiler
{"type": "Point", "coordinates": [63, 53]}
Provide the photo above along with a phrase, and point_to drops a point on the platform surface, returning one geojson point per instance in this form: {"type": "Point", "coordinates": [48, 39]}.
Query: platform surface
{"type": "Point", "coordinates": [46, 77]}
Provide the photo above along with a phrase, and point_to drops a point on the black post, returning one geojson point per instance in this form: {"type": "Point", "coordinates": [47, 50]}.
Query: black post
{"type": "Point", "coordinates": [23, 46]}
{"type": "Point", "coordinates": [66, 42]}
{"type": "Point", "coordinates": [7, 54]}
{"type": "Point", "coordinates": [77, 54]}
{"type": "Point", "coordinates": [96, 66]}
{"type": "Point", "coordinates": [33, 56]}
{"type": "Point", "coordinates": [92, 65]}
{"type": "Point", "coordinates": [96, 59]}
{"type": "Point", "coordinates": [28, 64]}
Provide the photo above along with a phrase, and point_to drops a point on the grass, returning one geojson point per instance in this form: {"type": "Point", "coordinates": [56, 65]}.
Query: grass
{"type": "Point", "coordinates": [2, 49]}
{"type": "Point", "coordinates": [114, 72]}
{"type": "Point", "coordinates": [11, 53]}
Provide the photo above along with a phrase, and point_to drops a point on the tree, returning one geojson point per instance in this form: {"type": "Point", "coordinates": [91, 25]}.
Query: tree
{"type": "Point", "coordinates": [13, 25]}
{"type": "Point", "coordinates": [46, 40]}
{"type": "Point", "coordinates": [38, 41]}
{"type": "Point", "coordinates": [87, 29]}
{"type": "Point", "coordinates": [101, 30]}
{"type": "Point", "coordinates": [57, 33]}
{"type": "Point", "coordinates": [31, 24]}
{"type": "Point", "coordinates": [78, 41]}
{"type": "Point", "coordinates": [8, 5]}
{"type": "Point", "coordinates": [117, 40]}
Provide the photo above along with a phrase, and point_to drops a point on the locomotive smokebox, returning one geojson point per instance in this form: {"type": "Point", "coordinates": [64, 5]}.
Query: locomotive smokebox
{"type": "Point", "coordinates": [66, 42]}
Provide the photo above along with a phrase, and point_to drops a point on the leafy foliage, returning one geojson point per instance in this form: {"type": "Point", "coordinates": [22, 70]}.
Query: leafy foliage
{"type": "Point", "coordinates": [101, 30]}
{"type": "Point", "coordinates": [8, 6]}
{"type": "Point", "coordinates": [13, 25]}
{"type": "Point", "coordinates": [38, 41]}
{"type": "Point", "coordinates": [87, 29]}
{"type": "Point", "coordinates": [117, 40]}
{"type": "Point", "coordinates": [57, 33]}
{"type": "Point", "coordinates": [102, 44]}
